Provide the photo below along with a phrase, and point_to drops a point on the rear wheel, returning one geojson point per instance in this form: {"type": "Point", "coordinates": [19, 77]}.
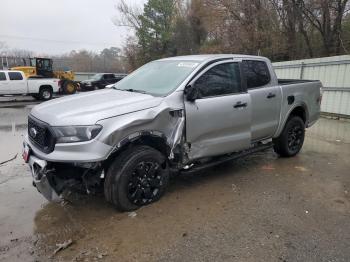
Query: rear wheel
{"type": "Point", "coordinates": [138, 177]}
{"type": "Point", "coordinates": [291, 140]}
{"type": "Point", "coordinates": [45, 93]}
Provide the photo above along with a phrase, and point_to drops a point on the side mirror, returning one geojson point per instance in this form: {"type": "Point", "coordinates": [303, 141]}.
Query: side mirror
{"type": "Point", "coordinates": [191, 93]}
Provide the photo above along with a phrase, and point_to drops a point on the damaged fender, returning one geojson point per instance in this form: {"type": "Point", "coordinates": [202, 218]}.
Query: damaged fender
{"type": "Point", "coordinates": [164, 121]}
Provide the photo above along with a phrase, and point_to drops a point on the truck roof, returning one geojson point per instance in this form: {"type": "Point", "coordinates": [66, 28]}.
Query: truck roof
{"type": "Point", "coordinates": [201, 58]}
{"type": "Point", "coordinates": [11, 71]}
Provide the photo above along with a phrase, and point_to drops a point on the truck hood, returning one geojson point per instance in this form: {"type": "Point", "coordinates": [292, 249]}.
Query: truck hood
{"type": "Point", "coordinates": [88, 108]}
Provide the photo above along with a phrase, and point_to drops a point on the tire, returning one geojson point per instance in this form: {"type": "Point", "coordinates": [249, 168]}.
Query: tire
{"type": "Point", "coordinates": [129, 183]}
{"type": "Point", "coordinates": [69, 87]}
{"type": "Point", "coordinates": [45, 93]}
{"type": "Point", "coordinates": [291, 140]}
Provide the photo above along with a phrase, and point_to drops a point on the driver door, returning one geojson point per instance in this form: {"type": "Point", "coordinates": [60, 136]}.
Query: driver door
{"type": "Point", "coordinates": [219, 120]}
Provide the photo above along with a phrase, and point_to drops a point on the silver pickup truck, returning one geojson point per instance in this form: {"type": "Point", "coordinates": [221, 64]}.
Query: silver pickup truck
{"type": "Point", "coordinates": [174, 114]}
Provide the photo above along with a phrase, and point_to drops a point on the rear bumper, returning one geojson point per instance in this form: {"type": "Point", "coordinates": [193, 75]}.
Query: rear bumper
{"type": "Point", "coordinates": [313, 119]}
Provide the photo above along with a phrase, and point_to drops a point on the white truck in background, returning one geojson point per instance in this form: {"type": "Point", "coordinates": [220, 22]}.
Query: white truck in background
{"type": "Point", "coordinates": [15, 83]}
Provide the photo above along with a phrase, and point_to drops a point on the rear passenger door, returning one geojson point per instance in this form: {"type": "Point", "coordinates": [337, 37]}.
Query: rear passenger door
{"type": "Point", "coordinates": [4, 83]}
{"type": "Point", "coordinates": [218, 122]}
{"type": "Point", "coordinates": [265, 96]}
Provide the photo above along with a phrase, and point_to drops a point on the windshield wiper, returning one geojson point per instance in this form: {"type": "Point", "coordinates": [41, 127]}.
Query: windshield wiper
{"type": "Point", "coordinates": [136, 91]}
{"type": "Point", "coordinates": [132, 90]}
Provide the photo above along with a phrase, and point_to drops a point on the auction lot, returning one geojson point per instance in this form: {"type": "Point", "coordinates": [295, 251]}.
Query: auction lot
{"type": "Point", "coordinates": [258, 208]}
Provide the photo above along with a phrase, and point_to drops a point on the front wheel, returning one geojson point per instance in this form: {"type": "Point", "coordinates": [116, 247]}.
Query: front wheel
{"type": "Point", "coordinates": [139, 176]}
{"type": "Point", "coordinates": [291, 140]}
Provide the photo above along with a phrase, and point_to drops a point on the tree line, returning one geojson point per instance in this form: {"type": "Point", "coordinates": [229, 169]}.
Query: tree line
{"type": "Point", "coordinates": [279, 29]}
{"type": "Point", "coordinates": [108, 60]}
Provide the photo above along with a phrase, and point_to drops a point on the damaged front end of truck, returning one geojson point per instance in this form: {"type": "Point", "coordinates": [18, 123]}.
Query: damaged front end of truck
{"type": "Point", "coordinates": [54, 180]}
{"type": "Point", "coordinates": [160, 127]}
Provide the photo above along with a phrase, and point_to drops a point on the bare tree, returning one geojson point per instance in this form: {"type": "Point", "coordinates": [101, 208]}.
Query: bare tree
{"type": "Point", "coordinates": [3, 47]}
{"type": "Point", "coordinates": [244, 26]}
{"type": "Point", "coordinates": [293, 23]}
{"type": "Point", "coordinates": [130, 15]}
{"type": "Point", "coordinates": [19, 53]}
{"type": "Point", "coordinates": [326, 16]}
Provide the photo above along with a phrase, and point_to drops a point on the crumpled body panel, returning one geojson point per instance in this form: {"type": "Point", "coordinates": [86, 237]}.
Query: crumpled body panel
{"type": "Point", "coordinates": [165, 121]}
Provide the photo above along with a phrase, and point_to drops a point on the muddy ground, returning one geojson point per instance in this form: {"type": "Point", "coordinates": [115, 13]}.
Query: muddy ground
{"type": "Point", "coordinates": [259, 208]}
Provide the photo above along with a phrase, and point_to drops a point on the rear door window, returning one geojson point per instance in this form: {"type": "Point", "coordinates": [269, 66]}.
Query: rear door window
{"type": "Point", "coordinates": [15, 76]}
{"type": "Point", "coordinates": [2, 76]}
{"type": "Point", "coordinates": [256, 72]}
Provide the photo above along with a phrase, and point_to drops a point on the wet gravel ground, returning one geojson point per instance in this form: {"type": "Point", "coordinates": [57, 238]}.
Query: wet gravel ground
{"type": "Point", "coordinates": [258, 208]}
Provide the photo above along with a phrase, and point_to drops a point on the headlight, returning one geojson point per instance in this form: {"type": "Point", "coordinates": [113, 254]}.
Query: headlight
{"type": "Point", "coordinates": [72, 134]}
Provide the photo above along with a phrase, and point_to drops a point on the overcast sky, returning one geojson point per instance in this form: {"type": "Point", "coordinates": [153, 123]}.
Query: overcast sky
{"type": "Point", "coordinates": [59, 26]}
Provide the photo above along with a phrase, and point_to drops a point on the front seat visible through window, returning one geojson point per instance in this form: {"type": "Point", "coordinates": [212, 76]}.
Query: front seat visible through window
{"type": "Point", "coordinates": [220, 80]}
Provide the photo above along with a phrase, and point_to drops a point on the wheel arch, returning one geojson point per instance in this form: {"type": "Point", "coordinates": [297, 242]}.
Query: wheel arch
{"type": "Point", "coordinates": [301, 111]}
{"type": "Point", "coordinates": [45, 86]}
{"type": "Point", "coordinates": [154, 139]}
{"type": "Point", "coordinates": [297, 110]}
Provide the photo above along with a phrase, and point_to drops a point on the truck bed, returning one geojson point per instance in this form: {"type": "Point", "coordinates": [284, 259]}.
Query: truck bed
{"type": "Point", "coordinates": [300, 92]}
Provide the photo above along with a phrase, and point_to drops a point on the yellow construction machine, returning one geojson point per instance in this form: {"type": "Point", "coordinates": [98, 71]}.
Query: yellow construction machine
{"type": "Point", "coordinates": [42, 68]}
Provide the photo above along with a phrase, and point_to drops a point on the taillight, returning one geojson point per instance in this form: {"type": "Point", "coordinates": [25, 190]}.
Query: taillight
{"type": "Point", "coordinates": [59, 83]}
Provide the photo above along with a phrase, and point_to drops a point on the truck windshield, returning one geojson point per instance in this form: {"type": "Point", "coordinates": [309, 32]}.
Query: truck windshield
{"type": "Point", "coordinates": [96, 77]}
{"type": "Point", "coordinates": [157, 78]}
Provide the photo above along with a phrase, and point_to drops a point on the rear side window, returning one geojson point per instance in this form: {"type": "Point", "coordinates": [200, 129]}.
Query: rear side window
{"type": "Point", "coordinates": [118, 77]}
{"type": "Point", "coordinates": [109, 76]}
{"type": "Point", "coordinates": [15, 76]}
{"type": "Point", "coordinates": [2, 76]}
{"type": "Point", "coordinates": [220, 80]}
{"type": "Point", "coordinates": [256, 72]}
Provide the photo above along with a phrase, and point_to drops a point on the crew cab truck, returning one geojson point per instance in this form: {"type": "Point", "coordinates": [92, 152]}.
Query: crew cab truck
{"type": "Point", "coordinates": [15, 83]}
{"type": "Point", "coordinates": [100, 81]}
{"type": "Point", "coordinates": [174, 114]}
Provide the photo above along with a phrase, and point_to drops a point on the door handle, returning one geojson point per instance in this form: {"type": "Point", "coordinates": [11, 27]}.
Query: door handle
{"type": "Point", "coordinates": [240, 104]}
{"type": "Point", "coordinates": [271, 95]}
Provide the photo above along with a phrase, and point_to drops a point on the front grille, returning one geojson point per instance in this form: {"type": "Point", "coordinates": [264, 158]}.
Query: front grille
{"type": "Point", "coordinates": [39, 133]}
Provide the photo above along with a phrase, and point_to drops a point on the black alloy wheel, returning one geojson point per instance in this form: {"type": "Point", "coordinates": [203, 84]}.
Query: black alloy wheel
{"type": "Point", "coordinates": [145, 183]}
{"type": "Point", "coordinates": [295, 137]}
{"type": "Point", "coordinates": [138, 176]}
{"type": "Point", "coordinates": [291, 139]}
